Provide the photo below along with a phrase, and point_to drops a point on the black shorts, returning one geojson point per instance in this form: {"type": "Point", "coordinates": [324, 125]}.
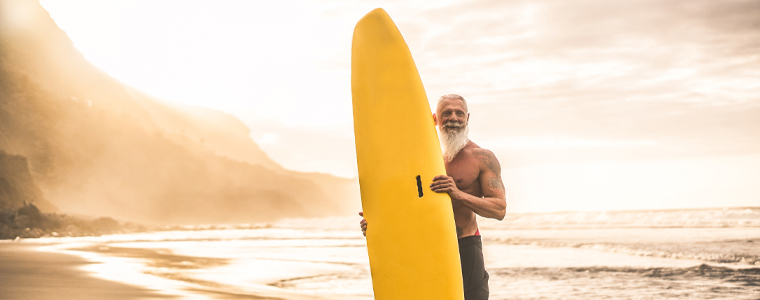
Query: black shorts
{"type": "Point", "coordinates": [473, 268]}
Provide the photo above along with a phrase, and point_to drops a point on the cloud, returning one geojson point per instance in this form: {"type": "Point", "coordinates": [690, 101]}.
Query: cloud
{"type": "Point", "coordinates": [605, 77]}
{"type": "Point", "coordinates": [682, 74]}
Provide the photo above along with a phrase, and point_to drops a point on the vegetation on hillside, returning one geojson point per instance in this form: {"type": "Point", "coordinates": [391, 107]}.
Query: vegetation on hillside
{"type": "Point", "coordinates": [29, 222]}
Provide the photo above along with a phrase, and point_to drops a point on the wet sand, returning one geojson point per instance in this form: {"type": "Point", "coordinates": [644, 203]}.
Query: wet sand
{"type": "Point", "coordinates": [70, 271]}
{"type": "Point", "coordinates": [174, 268]}
{"type": "Point", "coordinates": [26, 273]}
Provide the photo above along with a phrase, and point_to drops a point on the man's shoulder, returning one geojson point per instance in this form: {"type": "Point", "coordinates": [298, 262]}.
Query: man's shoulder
{"type": "Point", "coordinates": [482, 152]}
{"type": "Point", "coordinates": [486, 157]}
{"type": "Point", "coordinates": [475, 150]}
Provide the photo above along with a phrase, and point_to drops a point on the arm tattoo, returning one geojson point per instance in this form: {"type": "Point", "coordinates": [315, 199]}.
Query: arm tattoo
{"type": "Point", "coordinates": [460, 231]}
{"type": "Point", "coordinates": [489, 160]}
{"type": "Point", "coordinates": [496, 183]}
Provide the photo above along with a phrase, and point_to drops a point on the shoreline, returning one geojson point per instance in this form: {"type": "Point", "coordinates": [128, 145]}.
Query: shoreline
{"type": "Point", "coordinates": [92, 270]}
{"type": "Point", "coordinates": [525, 264]}
{"type": "Point", "coordinates": [28, 273]}
{"type": "Point", "coordinates": [33, 271]}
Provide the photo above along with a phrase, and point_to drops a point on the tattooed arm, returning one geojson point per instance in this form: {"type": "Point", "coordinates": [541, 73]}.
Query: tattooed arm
{"type": "Point", "coordinates": [493, 204]}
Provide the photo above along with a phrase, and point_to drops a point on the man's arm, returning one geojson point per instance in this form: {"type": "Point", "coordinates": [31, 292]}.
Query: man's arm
{"type": "Point", "coordinates": [493, 204]}
{"type": "Point", "coordinates": [491, 185]}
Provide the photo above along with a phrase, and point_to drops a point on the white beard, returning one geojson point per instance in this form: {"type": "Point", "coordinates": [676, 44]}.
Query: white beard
{"type": "Point", "coordinates": [453, 139]}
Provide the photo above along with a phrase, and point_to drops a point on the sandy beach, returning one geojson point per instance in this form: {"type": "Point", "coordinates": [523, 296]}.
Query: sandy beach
{"type": "Point", "coordinates": [27, 273]}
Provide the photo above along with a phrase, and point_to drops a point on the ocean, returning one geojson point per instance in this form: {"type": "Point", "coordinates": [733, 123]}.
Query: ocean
{"type": "Point", "coordinates": [663, 254]}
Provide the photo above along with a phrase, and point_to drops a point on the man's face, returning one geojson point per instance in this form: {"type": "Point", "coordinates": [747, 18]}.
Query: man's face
{"type": "Point", "coordinates": [451, 115]}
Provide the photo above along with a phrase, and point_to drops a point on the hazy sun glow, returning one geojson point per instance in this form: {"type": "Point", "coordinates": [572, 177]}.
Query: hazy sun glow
{"type": "Point", "coordinates": [612, 106]}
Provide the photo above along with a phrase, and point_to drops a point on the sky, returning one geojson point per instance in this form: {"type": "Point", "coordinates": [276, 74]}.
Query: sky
{"type": "Point", "coordinates": [589, 105]}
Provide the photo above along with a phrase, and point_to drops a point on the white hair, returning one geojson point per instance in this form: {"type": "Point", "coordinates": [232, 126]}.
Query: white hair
{"type": "Point", "coordinates": [455, 138]}
{"type": "Point", "coordinates": [453, 142]}
{"type": "Point", "coordinates": [451, 96]}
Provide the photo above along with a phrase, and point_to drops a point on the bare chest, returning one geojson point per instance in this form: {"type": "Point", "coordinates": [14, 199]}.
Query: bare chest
{"type": "Point", "coordinates": [465, 172]}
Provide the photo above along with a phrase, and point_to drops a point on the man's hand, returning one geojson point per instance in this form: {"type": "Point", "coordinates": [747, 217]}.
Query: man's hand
{"type": "Point", "coordinates": [363, 224]}
{"type": "Point", "coordinates": [446, 184]}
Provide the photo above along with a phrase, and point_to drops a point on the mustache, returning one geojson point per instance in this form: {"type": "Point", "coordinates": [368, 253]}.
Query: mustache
{"type": "Point", "coordinates": [453, 124]}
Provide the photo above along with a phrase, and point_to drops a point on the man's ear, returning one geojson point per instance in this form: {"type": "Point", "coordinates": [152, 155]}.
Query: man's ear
{"type": "Point", "coordinates": [435, 119]}
{"type": "Point", "coordinates": [468, 117]}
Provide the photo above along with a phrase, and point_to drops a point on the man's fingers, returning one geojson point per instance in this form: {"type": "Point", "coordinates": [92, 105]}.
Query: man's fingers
{"type": "Point", "coordinates": [440, 177]}
{"type": "Point", "coordinates": [444, 180]}
{"type": "Point", "coordinates": [441, 190]}
{"type": "Point", "coordinates": [439, 183]}
{"type": "Point", "coordinates": [443, 184]}
{"type": "Point", "coordinates": [363, 224]}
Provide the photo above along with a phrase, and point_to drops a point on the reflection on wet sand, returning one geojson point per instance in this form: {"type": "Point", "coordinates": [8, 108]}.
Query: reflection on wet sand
{"type": "Point", "coordinates": [158, 258]}
{"type": "Point", "coordinates": [251, 264]}
{"type": "Point", "coordinates": [30, 274]}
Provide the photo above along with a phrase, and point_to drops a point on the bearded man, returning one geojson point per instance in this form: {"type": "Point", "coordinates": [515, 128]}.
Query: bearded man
{"type": "Point", "coordinates": [473, 181]}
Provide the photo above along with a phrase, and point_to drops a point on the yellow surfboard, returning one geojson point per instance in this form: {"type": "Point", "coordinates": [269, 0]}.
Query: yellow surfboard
{"type": "Point", "coordinates": [411, 236]}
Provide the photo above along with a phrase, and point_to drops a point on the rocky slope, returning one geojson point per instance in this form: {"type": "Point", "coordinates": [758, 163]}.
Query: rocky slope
{"type": "Point", "coordinates": [17, 187]}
